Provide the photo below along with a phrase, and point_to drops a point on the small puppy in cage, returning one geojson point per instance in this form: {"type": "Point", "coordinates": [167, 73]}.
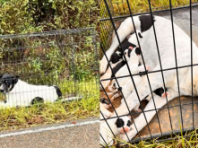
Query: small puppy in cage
{"type": "Point", "coordinates": [118, 55]}
{"type": "Point", "coordinates": [118, 125]}
{"type": "Point", "coordinates": [133, 59]}
{"type": "Point", "coordinates": [20, 93]}
{"type": "Point", "coordinates": [159, 92]}
{"type": "Point", "coordinates": [117, 60]}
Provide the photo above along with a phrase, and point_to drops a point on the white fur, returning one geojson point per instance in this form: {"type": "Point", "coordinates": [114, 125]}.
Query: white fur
{"type": "Point", "coordinates": [133, 62]}
{"type": "Point", "coordinates": [23, 93]}
{"type": "Point", "coordinates": [164, 35]}
{"type": "Point", "coordinates": [123, 33]}
{"type": "Point", "coordinates": [140, 121]}
{"type": "Point", "coordinates": [105, 112]}
{"type": "Point", "coordinates": [106, 132]}
{"type": "Point", "coordinates": [133, 38]}
{"type": "Point", "coordinates": [108, 75]}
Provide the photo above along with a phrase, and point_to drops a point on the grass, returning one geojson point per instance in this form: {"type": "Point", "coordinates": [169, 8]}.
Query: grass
{"type": "Point", "coordinates": [88, 106]}
{"type": "Point", "coordinates": [179, 141]}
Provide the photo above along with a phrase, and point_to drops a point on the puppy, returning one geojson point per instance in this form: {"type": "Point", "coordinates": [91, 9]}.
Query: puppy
{"type": "Point", "coordinates": [116, 56]}
{"type": "Point", "coordinates": [133, 59]}
{"type": "Point", "coordinates": [116, 63]}
{"type": "Point", "coordinates": [161, 92]}
{"type": "Point", "coordinates": [20, 93]}
{"type": "Point", "coordinates": [118, 125]}
{"type": "Point", "coordinates": [106, 104]}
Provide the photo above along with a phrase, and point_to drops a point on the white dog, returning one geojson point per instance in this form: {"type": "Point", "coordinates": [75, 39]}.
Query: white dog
{"type": "Point", "coordinates": [118, 125]}
{"type": "Point", "coordinates": [20, 93]}
{"type": "Point", "coordinates": [164, 34]}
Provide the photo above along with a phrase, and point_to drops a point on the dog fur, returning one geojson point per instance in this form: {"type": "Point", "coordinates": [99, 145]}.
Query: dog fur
{"type": "Point", "coordinates": [20, 93]}
{"type": "Point", "coordinates": [163, 28]}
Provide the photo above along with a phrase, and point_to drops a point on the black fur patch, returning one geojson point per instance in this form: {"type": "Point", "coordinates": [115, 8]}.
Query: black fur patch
{"type": "Point", "coordinates": [139, 64]}
{"type": "Point", "coordinates": [140, 35]}
{"type": "Point", "coordinates": [37, 100]}
{"type": "Point", "coordinates": [138, 51]}
{"type": "Point", "coordinates": [117, 67]}
{"type": "Point", "coordinates": [160, 91]}
{"type": "Point", "coordinates": [58, 91]}
{"type": "Point", "coordinates": [125, 45]}
{"type": "Point", "coordinates": [128, 123]}
{"type": "Point", "coordinates": [146, 22]}
{"type": "Point", "coordinates": [115, 57]}
{"type": "Point", "coordinates": [119, 123]}
{"type": "Point", "coordinates": [8, 82]}
{"type": "Point", "coordinates": [129, 52]}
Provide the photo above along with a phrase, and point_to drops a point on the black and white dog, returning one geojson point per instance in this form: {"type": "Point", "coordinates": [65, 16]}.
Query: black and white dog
{"type": "Point", "coordinates": [118, 125]}
{"type": "Point", "coordinates": [166, 46]}
{"type": "Point", "coordinates": [20, 93]}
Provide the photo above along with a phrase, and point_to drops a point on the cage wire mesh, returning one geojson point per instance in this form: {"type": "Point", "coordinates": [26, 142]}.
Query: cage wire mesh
{"type": "Point", "coordinates": [65, 58]}
{"type": "Point", "coordinates": [178, 114]}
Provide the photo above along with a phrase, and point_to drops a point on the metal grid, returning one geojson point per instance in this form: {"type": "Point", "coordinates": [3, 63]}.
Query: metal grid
{"type": "Point", "coordinates": [65, 58]}
{"type": "Point", "coordinates": [108, 25]}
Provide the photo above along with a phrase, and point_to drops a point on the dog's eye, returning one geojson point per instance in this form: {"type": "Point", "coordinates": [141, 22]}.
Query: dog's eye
{"type": "Point", "coordinates": [128, 123]}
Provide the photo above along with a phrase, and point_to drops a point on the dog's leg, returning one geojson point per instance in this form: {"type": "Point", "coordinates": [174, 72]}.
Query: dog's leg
{"type": "Point", "coordinates": [123, 31]}
{"type": "Point", "coordinates": [115, 96]}
{"type": "Point", "coordinates": [140, 121]}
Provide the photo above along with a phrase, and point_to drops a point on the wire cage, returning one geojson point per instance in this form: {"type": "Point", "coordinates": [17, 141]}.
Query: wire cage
{"type": "Point", "coordinates": [65, 58]}
{"type": "Point", "coordinates": [179, 114]}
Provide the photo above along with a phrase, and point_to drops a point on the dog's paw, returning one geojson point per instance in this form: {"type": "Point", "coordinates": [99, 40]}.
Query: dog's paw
{"type": "Point", "coordinates": [108, 114]}
{"type": "Point", "coordinates": [103, 65]}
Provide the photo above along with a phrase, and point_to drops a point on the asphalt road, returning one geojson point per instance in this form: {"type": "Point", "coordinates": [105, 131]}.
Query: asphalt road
{"type": "Point", "coordinates": [84, 136]}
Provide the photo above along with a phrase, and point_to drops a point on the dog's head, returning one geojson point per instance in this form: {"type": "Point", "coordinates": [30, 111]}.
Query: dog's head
{"type": "Point", "coordinates": [127, 53]}
{"type": "Point", "coordinates": [123, 124]}
{"type": "Point", "coordinates": [7, 82]}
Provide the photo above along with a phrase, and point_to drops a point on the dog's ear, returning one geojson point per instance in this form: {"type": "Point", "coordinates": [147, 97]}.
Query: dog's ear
{"type": "Point", "coordinates": [15, 80]}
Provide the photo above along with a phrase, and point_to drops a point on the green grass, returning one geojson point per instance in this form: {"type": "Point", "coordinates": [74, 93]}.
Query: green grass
{"type": "Point", "coordinates": [178, 141]}
{"type": "Point", "coordinates": [16, 118]}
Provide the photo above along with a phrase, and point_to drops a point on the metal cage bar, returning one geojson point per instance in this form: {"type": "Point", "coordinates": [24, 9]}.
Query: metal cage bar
{"type": "Point", "coordinates": [112, 20]}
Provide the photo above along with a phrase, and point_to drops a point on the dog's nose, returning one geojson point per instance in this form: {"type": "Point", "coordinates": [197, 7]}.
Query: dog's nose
{"type": "Point", "coordinates": [1, 90]}
{"type": "Point", "coordinates": [124, 129]}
